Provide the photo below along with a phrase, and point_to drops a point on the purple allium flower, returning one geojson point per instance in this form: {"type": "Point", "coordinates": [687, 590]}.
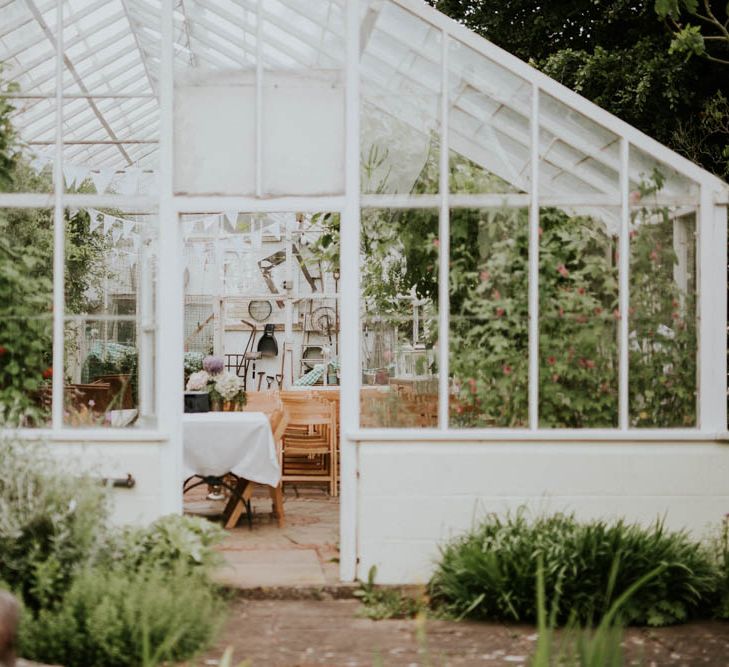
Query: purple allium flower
{"type": "Point", "coordinates": [213, 365]}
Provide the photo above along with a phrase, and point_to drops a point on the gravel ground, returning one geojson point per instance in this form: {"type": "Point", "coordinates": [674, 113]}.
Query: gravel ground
{"type": "Point", "coordinates": [329, 632]}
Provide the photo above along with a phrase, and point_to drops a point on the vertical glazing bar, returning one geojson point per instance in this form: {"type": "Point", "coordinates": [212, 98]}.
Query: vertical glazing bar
{"type": "Point", "coordinates": [146, 330]}
{"type": "Point", "coordinates": [170, 294]}
{"type": "Point", "coordinates": [712, 276]}
{"type": "Point", "coordinates": [624, 289]}
{"type": "Point", "coordinates": [259, 99]}
{"type": "Point", "coordinates": [350, 310]}
{"type": "Point", "coordinates": [534, 266]}
{"type": "Point", "coordinates": [59, 236]}
{"type": "Point", "coordinates": [444, 238]}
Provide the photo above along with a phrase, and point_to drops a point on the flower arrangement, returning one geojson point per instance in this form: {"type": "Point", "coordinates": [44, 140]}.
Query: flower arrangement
{"type": "Point", "coordinates": [198, 381]}
{"type": "Point", "coordinates": [221, 385]}
{"type": "Point", "coordinates": [213, 365]}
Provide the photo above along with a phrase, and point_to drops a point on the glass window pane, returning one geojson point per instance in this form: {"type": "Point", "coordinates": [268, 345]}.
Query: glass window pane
{"type": "Point", "coordinates": [26, 321]}
{"type": "Point", "coordinates": [110, 316]}
{"type": "Point", "coordinates": [488, 125]}
{"type": "Point", "coordinates": [489, 320]}
{"type": "Point", "coordinates": [27, 102]}
{"type": "Point", "coordinates": [110, 107]}
{"type": "Point", "coordinates": [578, 317]}
{"type": "Point", "coordinates": [400, 88]}
{"type": "Point", "coordinates": [663, 336]}
{"type": "Point", "coordinates": [649, 176]}
{"type": "Point", "coordinates": [102, 372]}
{"type": "Point", "coordinates": [399, 318]}
{"type": "Point", "coordinates": [576, 155]}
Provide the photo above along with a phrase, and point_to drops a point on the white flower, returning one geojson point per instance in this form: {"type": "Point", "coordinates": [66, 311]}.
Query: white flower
{"type": "Point", "coordinates": [227, 385]}
{"type": "Point", "coordinates": [198, 381]}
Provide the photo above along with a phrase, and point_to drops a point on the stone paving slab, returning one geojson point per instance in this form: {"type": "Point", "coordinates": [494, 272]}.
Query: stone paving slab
{"type": "Point", "coordinates": [302, 554]}
{"type": "Point", "coordinates": [307, 633]}
{"type": "Point", "coordinates": [266, 567]}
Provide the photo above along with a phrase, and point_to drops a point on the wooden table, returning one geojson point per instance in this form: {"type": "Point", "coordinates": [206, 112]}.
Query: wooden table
{"type": "Point", "coordinates": [241, 444]}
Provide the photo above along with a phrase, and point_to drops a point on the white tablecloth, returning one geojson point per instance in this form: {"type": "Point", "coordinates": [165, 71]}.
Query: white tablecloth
{"type": "Point", "coordinates": [216, 443]}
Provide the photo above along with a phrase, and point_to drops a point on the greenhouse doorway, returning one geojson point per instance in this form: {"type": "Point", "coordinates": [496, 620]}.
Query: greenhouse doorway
{"type": "Point", "coordinates": [261, 320]}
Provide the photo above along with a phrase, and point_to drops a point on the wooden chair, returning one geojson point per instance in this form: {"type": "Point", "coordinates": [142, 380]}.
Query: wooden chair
{"type": "Point", "coordinates": [262, 401]}
{"type": "Point", "coordinates": [82, 394]}
{"type": "Point", "coordinates": [120, 388]}
{"type": "Point", "coordinates": [309, 450]}
{"type": "Point", "coordinates": [332, 396]}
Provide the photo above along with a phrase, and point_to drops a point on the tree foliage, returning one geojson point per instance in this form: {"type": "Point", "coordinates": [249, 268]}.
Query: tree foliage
{"type": "Point", "coordinates": [26, 287]}
{"type": "Point", "coordinates": [621, 55]}
{"type": "Point", "coordinates": [700, 28]}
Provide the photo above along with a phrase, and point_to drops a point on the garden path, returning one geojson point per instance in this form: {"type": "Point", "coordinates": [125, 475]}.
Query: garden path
{"type": "Point", "coordinates": [302, 554]}
{"type": "Point", "coordinates": [302, 633]}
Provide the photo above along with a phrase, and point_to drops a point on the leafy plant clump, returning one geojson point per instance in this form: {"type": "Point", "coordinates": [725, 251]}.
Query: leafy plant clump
{"type": "Point", "coordinates": [490, 573]}
{"type": "Point", "coordinates": [379, 603]}
{"type": "Point", "coordinates": [92, 594]}
{"type": "Point", "coordinates": [117, 618]}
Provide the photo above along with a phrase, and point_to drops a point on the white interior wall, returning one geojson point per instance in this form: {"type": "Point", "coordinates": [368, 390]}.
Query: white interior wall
{"type": "Point", "coordinates": [412, 496]}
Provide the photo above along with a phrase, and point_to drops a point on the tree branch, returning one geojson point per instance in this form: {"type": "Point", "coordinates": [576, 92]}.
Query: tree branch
{"type": "Point", "coordinates": [717, 23]}
{"type": "Point", "coordinates": [714, 59]}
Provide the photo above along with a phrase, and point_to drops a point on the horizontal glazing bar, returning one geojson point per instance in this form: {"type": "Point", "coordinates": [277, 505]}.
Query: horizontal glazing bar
{"type": "Point", "coordinates": [559, 436]}
{"type": "Point", "coordinates": [510, 200]}
{"type": "Point", "coordinates": [195, 204]}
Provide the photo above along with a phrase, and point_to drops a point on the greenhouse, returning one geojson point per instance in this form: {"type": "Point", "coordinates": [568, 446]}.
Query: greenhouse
{"type": "Point", "coordinates": [447, 284]}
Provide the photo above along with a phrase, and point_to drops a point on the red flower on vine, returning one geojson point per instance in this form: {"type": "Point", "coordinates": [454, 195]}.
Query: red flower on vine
{"type": "Point", "coordinates": [507, 369]}
{"type": "Point", "coordinates": [3, 350]}
{"type": "Point", "coordinates": [598, 311]}
{"type": "Point", "coordinates": [580, 290]}
{"type": "Point", "coordinates": [48, 373]}
{"type": "Point", "coordinates": [500, 312]}
{"type": "Point", "coordinates": [562, 270]}
{"type": "Point", "coordinates": [551, 360]}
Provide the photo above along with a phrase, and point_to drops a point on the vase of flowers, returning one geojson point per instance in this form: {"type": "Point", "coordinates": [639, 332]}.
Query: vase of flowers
{"type": "Point", "coordinates": [223, 388]}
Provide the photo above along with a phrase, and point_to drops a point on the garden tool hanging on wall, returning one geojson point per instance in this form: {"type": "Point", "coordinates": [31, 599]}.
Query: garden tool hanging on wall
{"type": "Point", "coordinates": [267, 345]}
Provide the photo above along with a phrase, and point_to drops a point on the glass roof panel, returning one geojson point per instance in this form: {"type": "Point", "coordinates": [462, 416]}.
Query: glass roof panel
{"type": "Point", "coordinates": [400, 79]}
{"type": "Point", "coordinates": [488, 124]}
{"type": "Point", "coordinates": [112, 48]}
{"type": "Point", "coordinates": [577, 156]}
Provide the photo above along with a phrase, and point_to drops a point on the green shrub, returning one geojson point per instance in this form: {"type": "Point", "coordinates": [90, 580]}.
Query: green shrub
{"type": "Point", "coordinates": [721, 551]}
{"type": "Point", "coordinates": [50, 523]}
{"type": "Point", "coordinates": [95, 595]}
{"type": "Point", "coordinates": [169, 542]}
{"type": "Point", "coordinates": [491, 572]}
{"type": "Point", "coordinates": [114, 618]}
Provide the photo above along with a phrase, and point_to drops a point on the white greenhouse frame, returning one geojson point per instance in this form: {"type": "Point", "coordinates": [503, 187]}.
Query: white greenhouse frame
{"type": "Point", "coordinates": [168, 320]}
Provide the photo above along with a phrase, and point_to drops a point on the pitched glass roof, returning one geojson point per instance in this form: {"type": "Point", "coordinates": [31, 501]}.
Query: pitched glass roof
{"type": "Point", "coordinates": [111, 72]}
